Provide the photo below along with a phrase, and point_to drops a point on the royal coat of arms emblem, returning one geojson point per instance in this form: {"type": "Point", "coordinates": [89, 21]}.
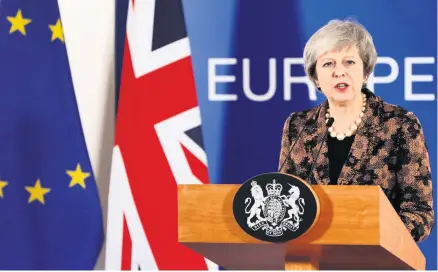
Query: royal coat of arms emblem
{"type": "Point", "coordinates": [275, 207]}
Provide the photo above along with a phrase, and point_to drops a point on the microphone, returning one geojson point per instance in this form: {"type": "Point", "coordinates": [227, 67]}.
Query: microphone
{"type": "Point", "coordinates": [330, 122]}
{"type": "Point", "coordinates": [298, 137]}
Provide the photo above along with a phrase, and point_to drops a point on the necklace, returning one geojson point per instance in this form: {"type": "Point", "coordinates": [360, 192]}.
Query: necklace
{"type": "Point", "coordinates": [340, 135]}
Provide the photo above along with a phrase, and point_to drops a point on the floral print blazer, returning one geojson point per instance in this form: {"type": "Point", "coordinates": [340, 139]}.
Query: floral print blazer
{"type": "Point", "coordinates": [389, 150]}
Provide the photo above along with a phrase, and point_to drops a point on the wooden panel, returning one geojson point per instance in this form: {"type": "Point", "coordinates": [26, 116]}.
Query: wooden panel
{"type": "Point", "coordinates": [346, 216]}
{"type": "Point", "coordinates": [395, 238]}
{"type": "Point", "coordinates": [206, 215]}
{"type": "Point", "coordinates": [349, 215]}
{"type": "Point", "coordinates": [242, 256]}
{"type": "Point", "coordinates": [300, 263]}
{"type": "Point", "coordinates": [363, 257]}
{"type": "Point", "coordinates": [357, 228]}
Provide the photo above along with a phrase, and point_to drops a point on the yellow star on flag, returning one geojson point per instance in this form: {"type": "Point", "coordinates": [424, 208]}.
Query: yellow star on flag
{"type": "Point", "coordinates": [37, 192]}
{"type": "Point", "coordinates": [18, 23]}
{"type": "Point", "coordinates": [3, 184]}
{"type": "Point", "coordinates": [77, 176]}
{"type": "Point", "coordinates": [57, 32]}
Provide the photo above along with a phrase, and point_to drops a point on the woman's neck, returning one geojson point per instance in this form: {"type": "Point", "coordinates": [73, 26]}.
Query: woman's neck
{"type": "Point", "coordinates": [345, 113]}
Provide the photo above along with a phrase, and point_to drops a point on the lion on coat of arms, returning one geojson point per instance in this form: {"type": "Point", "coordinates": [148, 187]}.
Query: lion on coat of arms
{"type": "Point", "coordinates": [257, 194]}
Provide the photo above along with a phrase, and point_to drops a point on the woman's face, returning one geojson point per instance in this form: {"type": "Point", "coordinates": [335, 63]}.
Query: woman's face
{"type": "Point", "coordinates": [340, 74]}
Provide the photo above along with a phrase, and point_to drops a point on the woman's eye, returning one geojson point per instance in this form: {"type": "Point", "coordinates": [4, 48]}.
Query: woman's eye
{"type": "Point", "coordinates": [327, 64]}
{"type": "Point", "coordinates": [350, 62]}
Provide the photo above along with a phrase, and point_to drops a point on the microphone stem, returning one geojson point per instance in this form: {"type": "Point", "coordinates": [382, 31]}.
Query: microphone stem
{"type": "Point", "coordinates": [329, 124]}
{"type": "Point", "coordinates": [316, 158]}
{"type": "Point", "coordinates": [297, 138]}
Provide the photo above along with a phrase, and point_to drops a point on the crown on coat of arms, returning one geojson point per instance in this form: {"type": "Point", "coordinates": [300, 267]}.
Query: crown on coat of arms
{"type": "Point", "coordinates": [274, 189]}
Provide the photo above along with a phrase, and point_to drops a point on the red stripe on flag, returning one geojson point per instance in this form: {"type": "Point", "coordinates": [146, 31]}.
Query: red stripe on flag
{"type": "Point", "coordinates": [144, 102]}
{"type": "Point", "coordinates": [199, 169]}
{"type": "Point", "coordinates": [127, 247]}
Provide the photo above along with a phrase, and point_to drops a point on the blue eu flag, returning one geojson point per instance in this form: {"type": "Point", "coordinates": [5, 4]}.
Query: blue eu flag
{"type": "Point", "coordinates": [50, 214]}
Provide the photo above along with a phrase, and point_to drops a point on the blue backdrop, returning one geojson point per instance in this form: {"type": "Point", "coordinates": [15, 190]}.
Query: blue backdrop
{"type": "Point", "coordinates": [242, 136]}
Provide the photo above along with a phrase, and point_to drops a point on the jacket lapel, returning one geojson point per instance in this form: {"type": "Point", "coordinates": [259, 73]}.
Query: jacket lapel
{"type": "Point", "coordinates": [364, 141]}
{"type": "Point", "coordinates": [312, 141]}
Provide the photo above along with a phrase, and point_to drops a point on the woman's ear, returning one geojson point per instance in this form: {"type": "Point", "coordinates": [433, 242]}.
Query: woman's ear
{"type": "Point", "coordinates": [317, 84]}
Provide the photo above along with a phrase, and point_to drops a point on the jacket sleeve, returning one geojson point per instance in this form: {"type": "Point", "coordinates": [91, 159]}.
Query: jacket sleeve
{"type": "Point", "coordinates": [414, 180]}
{"type": "Point", "coordinates": [285, 146]}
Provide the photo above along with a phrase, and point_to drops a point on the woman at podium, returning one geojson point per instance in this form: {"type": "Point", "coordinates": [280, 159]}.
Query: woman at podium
{"type": "Point", "coordinates": [355, 138]}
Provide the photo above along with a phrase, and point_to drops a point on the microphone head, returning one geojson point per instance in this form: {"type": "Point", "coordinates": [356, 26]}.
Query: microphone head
{"type": "Point", "coordinates": [330, 121]}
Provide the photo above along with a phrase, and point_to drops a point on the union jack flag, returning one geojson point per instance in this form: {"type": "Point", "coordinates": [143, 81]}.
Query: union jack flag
{"type": "Point", "coordinates": [158, 143]}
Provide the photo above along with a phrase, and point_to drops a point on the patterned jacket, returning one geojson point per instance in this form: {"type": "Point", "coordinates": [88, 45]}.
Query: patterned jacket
{"type": "Point", "coordinates": [389, 150]}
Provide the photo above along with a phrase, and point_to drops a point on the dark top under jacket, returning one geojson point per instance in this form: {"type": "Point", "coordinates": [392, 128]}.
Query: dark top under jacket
{"type": "Point", "coordinates": [388, 149]}
{"type": "Point", "coordinates": [338, 154]}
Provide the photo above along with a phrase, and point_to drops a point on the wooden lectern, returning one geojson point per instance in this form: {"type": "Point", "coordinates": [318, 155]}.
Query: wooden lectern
{"type": "Point", "coordinates": [357, 229]}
